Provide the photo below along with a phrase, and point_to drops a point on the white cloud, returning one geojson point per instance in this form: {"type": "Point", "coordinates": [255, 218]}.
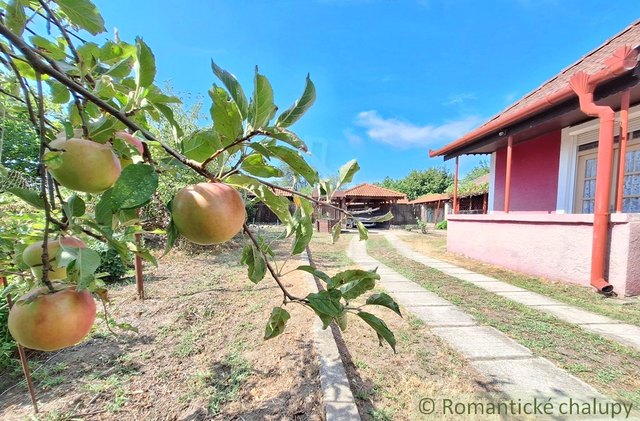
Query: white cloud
{"type": "Point", "coordinates": [460, 98]}
{"type": "Point", "coordinates": [354, 139]}
{"type": "Point", "coordinates": [404, 135]}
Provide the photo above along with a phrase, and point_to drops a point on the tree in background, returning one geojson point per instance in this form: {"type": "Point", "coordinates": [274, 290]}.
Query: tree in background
{"type": "Point", "coordinates": [420, 182]}
{"type": "Point", "coordinates": [479, 170]}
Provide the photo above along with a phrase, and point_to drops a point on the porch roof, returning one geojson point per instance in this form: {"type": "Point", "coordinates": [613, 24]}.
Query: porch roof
{"type": "Point", "coordinates": [554, 105]}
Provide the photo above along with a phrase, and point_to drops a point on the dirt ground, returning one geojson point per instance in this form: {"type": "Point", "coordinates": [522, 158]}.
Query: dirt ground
{"type": "Point", "coordinates": [198, 353]}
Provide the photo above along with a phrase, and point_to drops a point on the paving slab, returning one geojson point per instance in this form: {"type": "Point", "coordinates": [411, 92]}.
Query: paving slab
{"type": "Point", "coordinates": [530, 298]}
{"type": "Point", "coordinates": [577, 316]}
{"type": "Point", "coordinates": [423, 298]}
{"type": "Point", "coordinates": [482, 343]}
{"type": "Point", "coordinates": [458, 271]}
{"type": "Point", "coordinates": [623, 333]}
{"type": "Point", "coordinates": [441, 316]}
{"type": "Point", "coordinates": [497, 286]}
{"type": "Point", "coordinates": [411, 287]}
{"type": "Point", "coordinates": [534, 377]}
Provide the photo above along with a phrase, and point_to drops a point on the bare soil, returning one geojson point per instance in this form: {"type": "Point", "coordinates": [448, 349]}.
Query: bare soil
{"type": "Point", "coordinates": [199, 353]}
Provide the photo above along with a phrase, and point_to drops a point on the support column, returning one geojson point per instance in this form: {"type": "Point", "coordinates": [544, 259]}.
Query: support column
{"type": "Point", "coordinates": [455, 187]}
{"type": "Point", "coordinates": [624, 133]}
{"type": "Point", "coordinates": [507, 186]}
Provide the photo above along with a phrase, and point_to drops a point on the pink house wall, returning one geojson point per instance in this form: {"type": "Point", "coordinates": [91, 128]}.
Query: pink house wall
{"type": "Point", "coordinates": [556, 247]}
{"type": "Point", "coordinates": [534, 175]}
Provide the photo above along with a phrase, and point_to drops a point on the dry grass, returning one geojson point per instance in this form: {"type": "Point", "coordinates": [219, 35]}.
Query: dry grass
{"type": "Point", "coordinates": [575, 295]}
{"type": "Point", "coordinates": [388, 386]}
{"type": "Point", "coordinates": [606, 365]}
{"type": "Point", "coordinates": [199, 352]}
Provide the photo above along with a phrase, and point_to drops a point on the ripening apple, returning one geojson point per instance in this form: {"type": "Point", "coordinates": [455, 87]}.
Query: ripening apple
{"type": "Point", "coordinates": [48, 321]}
{"type": "Point", "coordinates": [32, 256]}
{"type": "Point", "coordinates": [208, 213]}
{"type": "Point", "coordinates": [131, 140]}
{"type": "Point", "coordinates": [87, 166]}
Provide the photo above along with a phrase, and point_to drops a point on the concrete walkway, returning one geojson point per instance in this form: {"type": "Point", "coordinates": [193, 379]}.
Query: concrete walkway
{"type": "Point", "coordinates": [607, 327]}
{"type": "Point", "coordinates": [506, 364]}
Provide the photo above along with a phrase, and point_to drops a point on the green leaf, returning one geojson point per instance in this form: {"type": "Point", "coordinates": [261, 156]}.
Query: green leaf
{"type": "Point", "coordinates": [103, 213]}
{"type": "Point", "coordinates": [74, 207]}
{"type": "Point", "coordinates": [201, 145]}
{"type": "Point", "coordinates": [172, 237]}
{"type": "Point", "coordinates": [255, 164]}
{"type": "Point", "coordinates": [380, 327]}
{"type": "Point", "coordinates": [168, 114]}
{"type": "Point", "coordinates": [30, 196]}
{"type": "Point", "coordinates": [261, 107]}
{"type": "Point", "coordinates": [342, 321]}
{"type": "Point", "coordinates": [317, 273]}
{"type": "Point", "coordinates": [346, 172]}
{"type": "Point", "coordinates": [297, 110]}
{"type": "Point", "coordinates": [52, 50]}
{"type": "Point", "coordinates": [84, 14]}
{"type": "Point", "coordinates": [354, 274]}
{"type": "Point", "coordinates": [59, 92]}
{"type": "Point", "coordinates": [102, 129]}
{"type": "Point", "coordinates": [121, 69]}
{"type": "Point", "coordinates": [296, 162]}
{"type": "Point", "coordinates": [276, 323]}
{"type": "Point", "coordinates": [383, 218]}
{"type": "Point", "coordinates": [144, 65]}
{"type": "Point", "coordinates": [52, 160]}
{"type": "Point", "coordinates": [326, 302]}
{"type": "Point", "coordinates": [278, 204]}
{"type": "Point", "coordinates": [384, 300]}
{"type": "Point", "coordinates": [83, 266]}
{"type": "Point", "coordinates": [146, 255]}
{"type": "Point", "coordinates": [257, 267]}
{"type": "Point", "coordinates": [104, 87]}
{"type": "Point", "coordinates": [335, 232]}
{"type": "Point", "coordinates": [134, 187]}
{"type": "Point", "coordinates": [16, 17]}
{"type": "Point", "coordinates": [356, 288]}
{"type": "Point", "coordinates": [304, 232]}
{"type": "Point", "coordinates": [234, 88]}
{"type": "Point", "coordinates": [227, 119]}
{"type": "Point", "coordinates": [362, 230]}
{"type": "Point", "coordinates": [287, 137]}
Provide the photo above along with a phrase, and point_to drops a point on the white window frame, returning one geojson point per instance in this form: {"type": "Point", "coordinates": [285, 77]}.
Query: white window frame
{"type": "Point", "coordinates": [569, 143]}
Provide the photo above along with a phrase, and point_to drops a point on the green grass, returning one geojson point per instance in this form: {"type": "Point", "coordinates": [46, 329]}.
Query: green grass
{"type": "Point", "coordinates": [575, 295]}
{"type": "Point", "coordinates": [605, 364]}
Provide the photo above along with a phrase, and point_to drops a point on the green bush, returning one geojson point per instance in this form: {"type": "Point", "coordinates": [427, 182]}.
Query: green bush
{"type": "Point", "coordinates": [7, 345]}
{"type": "Point", "coordinates": [111, 263]}
{"type": "Point", "coordinates": [442, 225]}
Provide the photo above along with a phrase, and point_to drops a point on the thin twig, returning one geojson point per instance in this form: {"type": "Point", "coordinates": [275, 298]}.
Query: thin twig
{"type": "Point", "coordinates": [46, 264]}
{"type": "Point", "coordinates": [271, 269]}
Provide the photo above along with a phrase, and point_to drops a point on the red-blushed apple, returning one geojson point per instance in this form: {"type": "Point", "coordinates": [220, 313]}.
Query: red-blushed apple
{"type": "Point", "coordinates": [49, 321]}
{"type": "Point", "coordinates": [131, 140]}
{"type": "Point", "coordinates": [208, 213]}
{"type": "Point", "coordinates": [87, 166]}
{"type": "Point", "coordinates": [32, 256]}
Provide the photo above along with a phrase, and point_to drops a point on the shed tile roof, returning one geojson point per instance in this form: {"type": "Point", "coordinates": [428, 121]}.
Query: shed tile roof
{"type": "Point", "coordinates": [482, 180]}
{"type": "Point", "coordinates": [591, 63]}
{"type": "Point", "coordinates": [369, 190]}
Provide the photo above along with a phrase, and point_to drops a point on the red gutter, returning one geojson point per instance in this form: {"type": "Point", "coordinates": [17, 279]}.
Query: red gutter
{"type": "Point", "coordinates": [624, 59]}
{"type": "Point", "coordinates": [624, 133]}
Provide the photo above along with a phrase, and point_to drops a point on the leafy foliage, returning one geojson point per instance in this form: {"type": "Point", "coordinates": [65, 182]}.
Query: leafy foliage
{"type": "Point", "coordinates": [105, 92]}
{"type": "Point", "coordinates": [420, 182]}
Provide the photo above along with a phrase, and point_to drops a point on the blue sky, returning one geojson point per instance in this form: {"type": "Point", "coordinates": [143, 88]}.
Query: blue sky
{"type": "Point", "coordinates": [393, 77]}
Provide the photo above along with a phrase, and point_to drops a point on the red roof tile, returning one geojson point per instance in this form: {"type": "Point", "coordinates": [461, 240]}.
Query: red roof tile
{"type": "Point", "coordinates": [369, 190]}
{"type": "Point", "coordinates": [590, 64]}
